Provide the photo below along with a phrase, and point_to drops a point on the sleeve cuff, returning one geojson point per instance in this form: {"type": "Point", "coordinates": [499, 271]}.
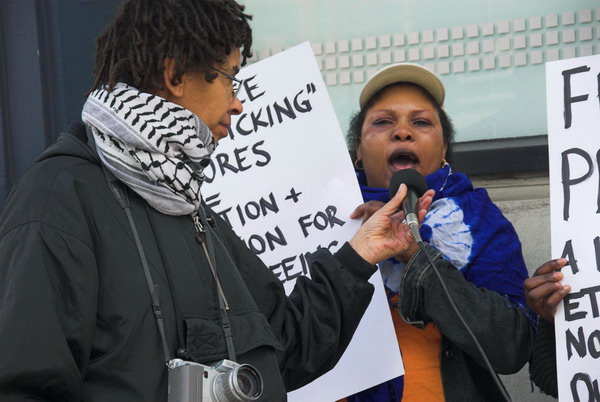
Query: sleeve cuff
{"type": "Point", "coordinates": [354, 263]}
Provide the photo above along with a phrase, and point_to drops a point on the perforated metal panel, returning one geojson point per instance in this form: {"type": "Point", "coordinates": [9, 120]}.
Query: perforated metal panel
{"type": "Point", "coordinates": [490, 54]}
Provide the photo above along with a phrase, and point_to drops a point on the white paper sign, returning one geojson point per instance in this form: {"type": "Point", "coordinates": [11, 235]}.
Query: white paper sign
{"type": "Point", "coordinates": [574, 148]}
{"type": "Point", "coordinates": [286, 184]}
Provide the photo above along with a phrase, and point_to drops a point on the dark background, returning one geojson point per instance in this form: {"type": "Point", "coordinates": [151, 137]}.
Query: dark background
{"type": "Point", "coordinates": [46, 62]}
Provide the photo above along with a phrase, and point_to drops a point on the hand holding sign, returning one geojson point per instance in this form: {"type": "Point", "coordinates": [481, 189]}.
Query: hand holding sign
{"type": "Point", "coordinates": [384, 235]}
{"type": "Point", "coordinates": [544, 291]}
{"type": "Point", "coordinates": [574, 156]}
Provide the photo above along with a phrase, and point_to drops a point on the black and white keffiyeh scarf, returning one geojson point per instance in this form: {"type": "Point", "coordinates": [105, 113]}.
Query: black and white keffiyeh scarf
{"type": "Point", "coordinates": [157, 148]}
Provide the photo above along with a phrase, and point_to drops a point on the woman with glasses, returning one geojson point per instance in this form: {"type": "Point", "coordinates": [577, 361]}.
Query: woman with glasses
{"type": "Point", "coordinates": [111, 265]}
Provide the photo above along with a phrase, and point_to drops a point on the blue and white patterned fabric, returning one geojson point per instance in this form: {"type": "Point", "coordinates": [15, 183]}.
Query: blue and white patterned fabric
{"type": "Point", "coordinates": [470, 231]}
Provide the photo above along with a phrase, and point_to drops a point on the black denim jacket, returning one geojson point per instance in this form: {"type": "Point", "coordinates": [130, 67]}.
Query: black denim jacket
{"type": "Point", "coordinates": [502, 328]}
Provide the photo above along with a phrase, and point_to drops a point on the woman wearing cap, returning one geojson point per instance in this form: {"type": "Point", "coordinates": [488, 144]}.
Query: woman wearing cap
{"type": "Point", "coordinates": [402, 124]}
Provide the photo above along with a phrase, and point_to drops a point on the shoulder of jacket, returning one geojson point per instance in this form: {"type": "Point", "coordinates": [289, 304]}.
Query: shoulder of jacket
{"type": "Point", "coordinates": [53, 191]}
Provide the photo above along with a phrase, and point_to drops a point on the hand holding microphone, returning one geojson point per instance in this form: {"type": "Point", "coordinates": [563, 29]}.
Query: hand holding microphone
{"type": "Point", "coordinates": [417, 186]}
{"type": "Point", "coordinates": [384, 235]}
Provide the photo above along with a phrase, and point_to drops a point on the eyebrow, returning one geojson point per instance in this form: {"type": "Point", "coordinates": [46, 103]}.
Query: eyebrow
{"type": "Point", "coordinates": [391, 110]}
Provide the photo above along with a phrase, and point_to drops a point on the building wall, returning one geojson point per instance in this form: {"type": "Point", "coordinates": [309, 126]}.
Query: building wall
{"type": "Point", "coordinates": [525, 200]}
{"type": "Point", "coordinates": [46, 61]}
{"type": "Point", "coordinates": [489, 53]}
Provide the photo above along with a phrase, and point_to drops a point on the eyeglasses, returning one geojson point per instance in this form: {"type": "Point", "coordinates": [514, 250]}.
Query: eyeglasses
{"type": "Point", "coordinates": [236, 84]}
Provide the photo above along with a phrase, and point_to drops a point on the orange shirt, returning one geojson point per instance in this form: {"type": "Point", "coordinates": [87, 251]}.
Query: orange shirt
{"type": "Point", "coordinates": [421, 350]}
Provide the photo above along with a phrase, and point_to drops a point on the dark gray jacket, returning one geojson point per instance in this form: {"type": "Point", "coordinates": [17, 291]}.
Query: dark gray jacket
{"type": "Point", "coordinates": [542, 365]}
{"type": "Point", "coordinates": [75, 314]}
{"type": "Point", "coordinates": [502, 329]}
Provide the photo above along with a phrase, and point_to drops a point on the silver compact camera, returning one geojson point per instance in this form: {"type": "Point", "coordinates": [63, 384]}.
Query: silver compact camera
{"type": "Point", "coordinates": [223, 381]}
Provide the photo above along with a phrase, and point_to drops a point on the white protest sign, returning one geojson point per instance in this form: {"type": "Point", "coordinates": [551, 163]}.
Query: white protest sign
{"type": "Point", "coordinates": [284, 181]}
{"type": "Point", "coordinates": [574, 150]}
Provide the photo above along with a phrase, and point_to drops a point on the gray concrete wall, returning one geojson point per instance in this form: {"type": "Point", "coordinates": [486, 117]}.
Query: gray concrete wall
{"type": "Point", "coordinates": [525, 202]}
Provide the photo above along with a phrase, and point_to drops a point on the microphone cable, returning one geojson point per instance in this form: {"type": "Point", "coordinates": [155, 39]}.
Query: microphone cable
{"type": "Point", "coordinates": [414, 228]}
{"type": "Point", "coordinates": [417, 186]}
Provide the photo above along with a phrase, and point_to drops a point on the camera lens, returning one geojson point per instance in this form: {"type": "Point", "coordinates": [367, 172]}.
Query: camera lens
{"type": "Point", "coordinates": [243, 383]}
{"type": "Point", "coordinates": [247, 381]}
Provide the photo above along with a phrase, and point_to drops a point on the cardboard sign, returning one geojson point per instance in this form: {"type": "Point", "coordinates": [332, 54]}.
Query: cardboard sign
{"type": "Point", "coordinates": [574, 147]}
{"type": "Point", "coordinates": [284, 181]}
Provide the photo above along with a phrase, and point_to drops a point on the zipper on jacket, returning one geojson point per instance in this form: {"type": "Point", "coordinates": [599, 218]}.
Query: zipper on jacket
{"type": "Point", "coordinates": [199, 237]}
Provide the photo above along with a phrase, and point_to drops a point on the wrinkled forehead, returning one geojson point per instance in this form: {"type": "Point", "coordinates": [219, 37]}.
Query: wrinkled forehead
{"type": "Point", "coordinates": [401, 84]}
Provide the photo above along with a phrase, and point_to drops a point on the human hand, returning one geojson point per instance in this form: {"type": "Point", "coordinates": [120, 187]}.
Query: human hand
{"type": "Point", "coordinates": [366, 210]}
{"type": "Point", "coordinates": [384, 235]}
{"type": "Point", "coordinates": [544, 291]}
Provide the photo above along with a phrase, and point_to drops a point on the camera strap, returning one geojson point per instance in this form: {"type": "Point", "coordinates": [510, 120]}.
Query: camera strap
{"type": "Point", "coordinates": [120, 193]}
{"type": "Point", "coordinates": [205, 238]}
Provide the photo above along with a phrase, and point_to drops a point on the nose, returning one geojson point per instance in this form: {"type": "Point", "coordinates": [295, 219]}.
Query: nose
{"type": "Point", "coordinates": [235, 107]}
{"type": "Point", "coordinates": [402, 133]}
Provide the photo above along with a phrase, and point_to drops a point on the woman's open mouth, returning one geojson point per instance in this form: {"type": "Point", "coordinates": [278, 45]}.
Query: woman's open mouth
{"type": "Point", "coordinates": [402, 159]}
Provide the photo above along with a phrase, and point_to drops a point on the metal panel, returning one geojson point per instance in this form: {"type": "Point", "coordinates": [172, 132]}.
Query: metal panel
{"type": "Point", "coordinates": [46, 59]}
{"type": "Point", "coordinates": [5, 155]}
{"type": "Point", "coordinates": [22, 118]}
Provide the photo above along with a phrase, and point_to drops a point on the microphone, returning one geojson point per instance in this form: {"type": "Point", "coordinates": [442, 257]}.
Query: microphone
{"type": "Point", "coordinates": [417, 186]}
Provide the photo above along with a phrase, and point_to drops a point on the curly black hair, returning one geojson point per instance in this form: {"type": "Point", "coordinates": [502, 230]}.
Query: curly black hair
{"type": "Point", "coordinates": [196, 34]}
{"type": "Point", "coordinates": [358, 119]}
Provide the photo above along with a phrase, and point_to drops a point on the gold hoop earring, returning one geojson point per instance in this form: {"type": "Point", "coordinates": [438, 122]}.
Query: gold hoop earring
{"type": "Point", "coordinates": [444, 163]}
{"type": "Point", "coordinates": [357, 166]}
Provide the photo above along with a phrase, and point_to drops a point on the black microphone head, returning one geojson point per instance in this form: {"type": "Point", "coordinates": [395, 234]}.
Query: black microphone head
{"type": "Point", "coordinates": [411, 178]}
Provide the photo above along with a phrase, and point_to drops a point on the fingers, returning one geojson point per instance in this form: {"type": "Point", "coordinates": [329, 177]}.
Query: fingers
{"type": "Point", "coordinates": [545, 280]}
{"type": "Point", "coordinates": [543, 291]}
{"type": "Point", "coordinates": [369, 208]}
{"type": "Point", "coordinates": [545, 299]}
{"type": "Point", "coordinates": [555, 298]}
{"type": "Point", "coordinates": [406, 229]}
{"type": "Point", "coordinates": [428, 195]}
{"type": "Point", "coordinates": [372, 207]}
{"type": "Point", "coordinates": [541, 279]}
{"type": "Point", "coordinates": [366, 210]}
{"type": "Point", "coordinates": [550, 266]}
{"type": "Point", "coordinates": [424, 204]}
{"type": "Point", "coordinates": [359, 211]}
{"type": "Point", "coordinates": [394, 204]}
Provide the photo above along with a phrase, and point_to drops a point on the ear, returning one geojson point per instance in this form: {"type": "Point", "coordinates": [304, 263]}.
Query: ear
{"type": "Point", "coordinates": [357, 152]}
{"type": "Point", "coordinates": [173, 89]}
